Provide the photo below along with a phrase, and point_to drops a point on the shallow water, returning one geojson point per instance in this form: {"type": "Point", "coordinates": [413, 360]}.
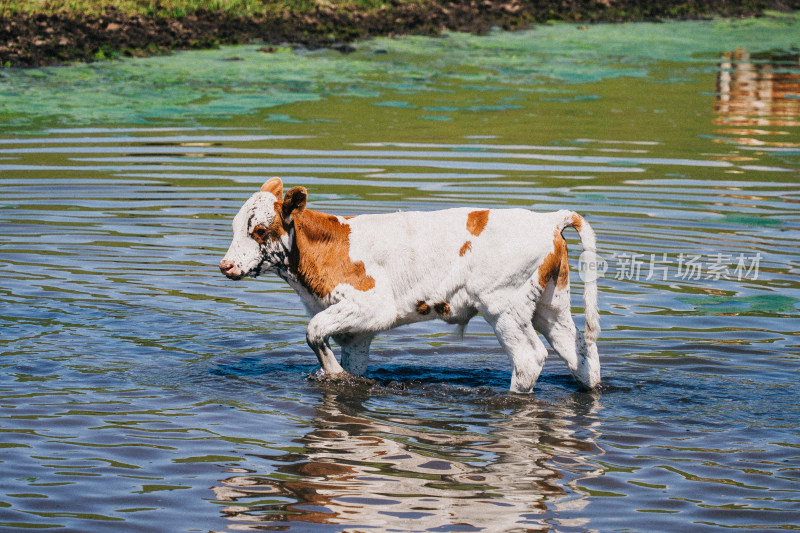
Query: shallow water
{"type": "Point", "coordinates": [141, 390]}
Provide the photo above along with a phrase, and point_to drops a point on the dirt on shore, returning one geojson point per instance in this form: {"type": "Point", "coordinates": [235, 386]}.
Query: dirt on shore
{"type": "Point", "coordinates": [40, 40]}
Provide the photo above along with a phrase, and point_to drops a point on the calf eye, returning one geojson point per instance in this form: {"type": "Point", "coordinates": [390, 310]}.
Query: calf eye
{"type": "Point", "coordinates": [259, 233]}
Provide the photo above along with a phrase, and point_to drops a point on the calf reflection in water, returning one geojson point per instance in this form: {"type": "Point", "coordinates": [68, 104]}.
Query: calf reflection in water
{"type": "Point", "coordinates": [378, 470]}
{"type": "Point", "coordinates": [361, 275]}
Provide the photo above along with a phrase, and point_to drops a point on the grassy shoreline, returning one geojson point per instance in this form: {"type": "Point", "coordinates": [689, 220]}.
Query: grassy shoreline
{"type": "Point", "coordinates": [166, 8]}
{"type": "Point", "coordinates": [50, 32]}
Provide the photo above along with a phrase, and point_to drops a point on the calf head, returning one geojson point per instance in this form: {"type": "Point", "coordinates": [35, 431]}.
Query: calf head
{"type": "Point", "coordinates": [262, 230]}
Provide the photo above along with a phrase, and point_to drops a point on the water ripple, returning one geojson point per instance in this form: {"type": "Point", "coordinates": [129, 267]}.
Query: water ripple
{"type": "Point", "coordinates": [141, 390]}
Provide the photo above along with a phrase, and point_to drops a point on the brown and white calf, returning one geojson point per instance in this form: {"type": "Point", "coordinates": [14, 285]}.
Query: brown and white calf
{"type": "Point", "coordinates": [358, 276]}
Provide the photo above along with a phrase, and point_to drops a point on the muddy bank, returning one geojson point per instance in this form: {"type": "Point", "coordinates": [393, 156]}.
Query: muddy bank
{"type": "Point", "coordinates": [39, 40]}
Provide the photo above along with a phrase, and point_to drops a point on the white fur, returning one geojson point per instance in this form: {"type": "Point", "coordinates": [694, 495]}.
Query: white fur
{"type": "Point", "coordinates": [415, 257]}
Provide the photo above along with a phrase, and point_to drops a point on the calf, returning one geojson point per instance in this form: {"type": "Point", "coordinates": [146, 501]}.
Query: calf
{"type": "Point", "coordinates": [358, 276]}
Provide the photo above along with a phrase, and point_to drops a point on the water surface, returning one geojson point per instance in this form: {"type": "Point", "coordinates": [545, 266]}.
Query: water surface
{"type": "Point", "coordinates": [141, 390]}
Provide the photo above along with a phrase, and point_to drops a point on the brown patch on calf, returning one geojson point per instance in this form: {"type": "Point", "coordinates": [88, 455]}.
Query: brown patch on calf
{"type": "Point", "coordinates": [466, 248]}
{"type": "Point", "coordinates": [320, 257]}
{"type": "Point", "coordinates": [556, 264]}
{"type": "Point", "coordinates": [423, 308]}
{"type": "Point", "coordinates": [443, 308]}
{"type": "Point", "coordinates": [476, 221]}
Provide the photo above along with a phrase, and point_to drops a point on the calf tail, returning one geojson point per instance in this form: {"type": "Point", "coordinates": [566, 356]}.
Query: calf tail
{"type": "Point", "coordinates": [589, 256]}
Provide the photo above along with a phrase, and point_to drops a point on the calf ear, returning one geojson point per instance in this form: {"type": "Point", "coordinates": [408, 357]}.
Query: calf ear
{"type": "Point", "coordinates": [273, 186]}
{"type": "Point", "coordinates": [293, 203]}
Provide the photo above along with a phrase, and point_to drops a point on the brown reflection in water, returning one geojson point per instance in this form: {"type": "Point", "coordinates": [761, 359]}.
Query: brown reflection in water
{"type": "Point", "coordinates": [360, 468]}
{"type": "Point", "coordinates": [758, 92]}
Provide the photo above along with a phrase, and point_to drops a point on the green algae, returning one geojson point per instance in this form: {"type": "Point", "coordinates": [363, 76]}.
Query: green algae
{"type": "Point", "coordinates": [749, 220]}
{"type": "Point", "coordinates": [760, 304]}
{"type": "Point", "coordinates": [482, 71]}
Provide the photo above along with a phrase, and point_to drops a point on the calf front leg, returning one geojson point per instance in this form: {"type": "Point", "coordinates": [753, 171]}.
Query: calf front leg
{"type": "Point", "coordinates": [342, 319]}
{"type": "Point", "coordinates": [355, 353]}
{"type": "Point", "coordinates": [322, 350]}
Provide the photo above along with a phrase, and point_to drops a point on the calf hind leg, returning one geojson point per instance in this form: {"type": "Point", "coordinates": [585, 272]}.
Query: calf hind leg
{"type": "Point", "coordinates": [553, 319]}
{"type": "Point", "coordinates": [523, 347]}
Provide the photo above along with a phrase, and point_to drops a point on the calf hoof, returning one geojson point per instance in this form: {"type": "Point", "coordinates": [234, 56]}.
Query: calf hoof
{"type": "Point", "coordinates": [520, 389]}
{"type": "Point", "coordinates": [320, 376]}
{"type": "Point", "coordinates": [597, 387]}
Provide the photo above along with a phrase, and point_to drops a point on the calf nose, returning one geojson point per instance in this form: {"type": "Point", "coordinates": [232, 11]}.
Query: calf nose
{"type": "Point", "coordinates": [227, 267]}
